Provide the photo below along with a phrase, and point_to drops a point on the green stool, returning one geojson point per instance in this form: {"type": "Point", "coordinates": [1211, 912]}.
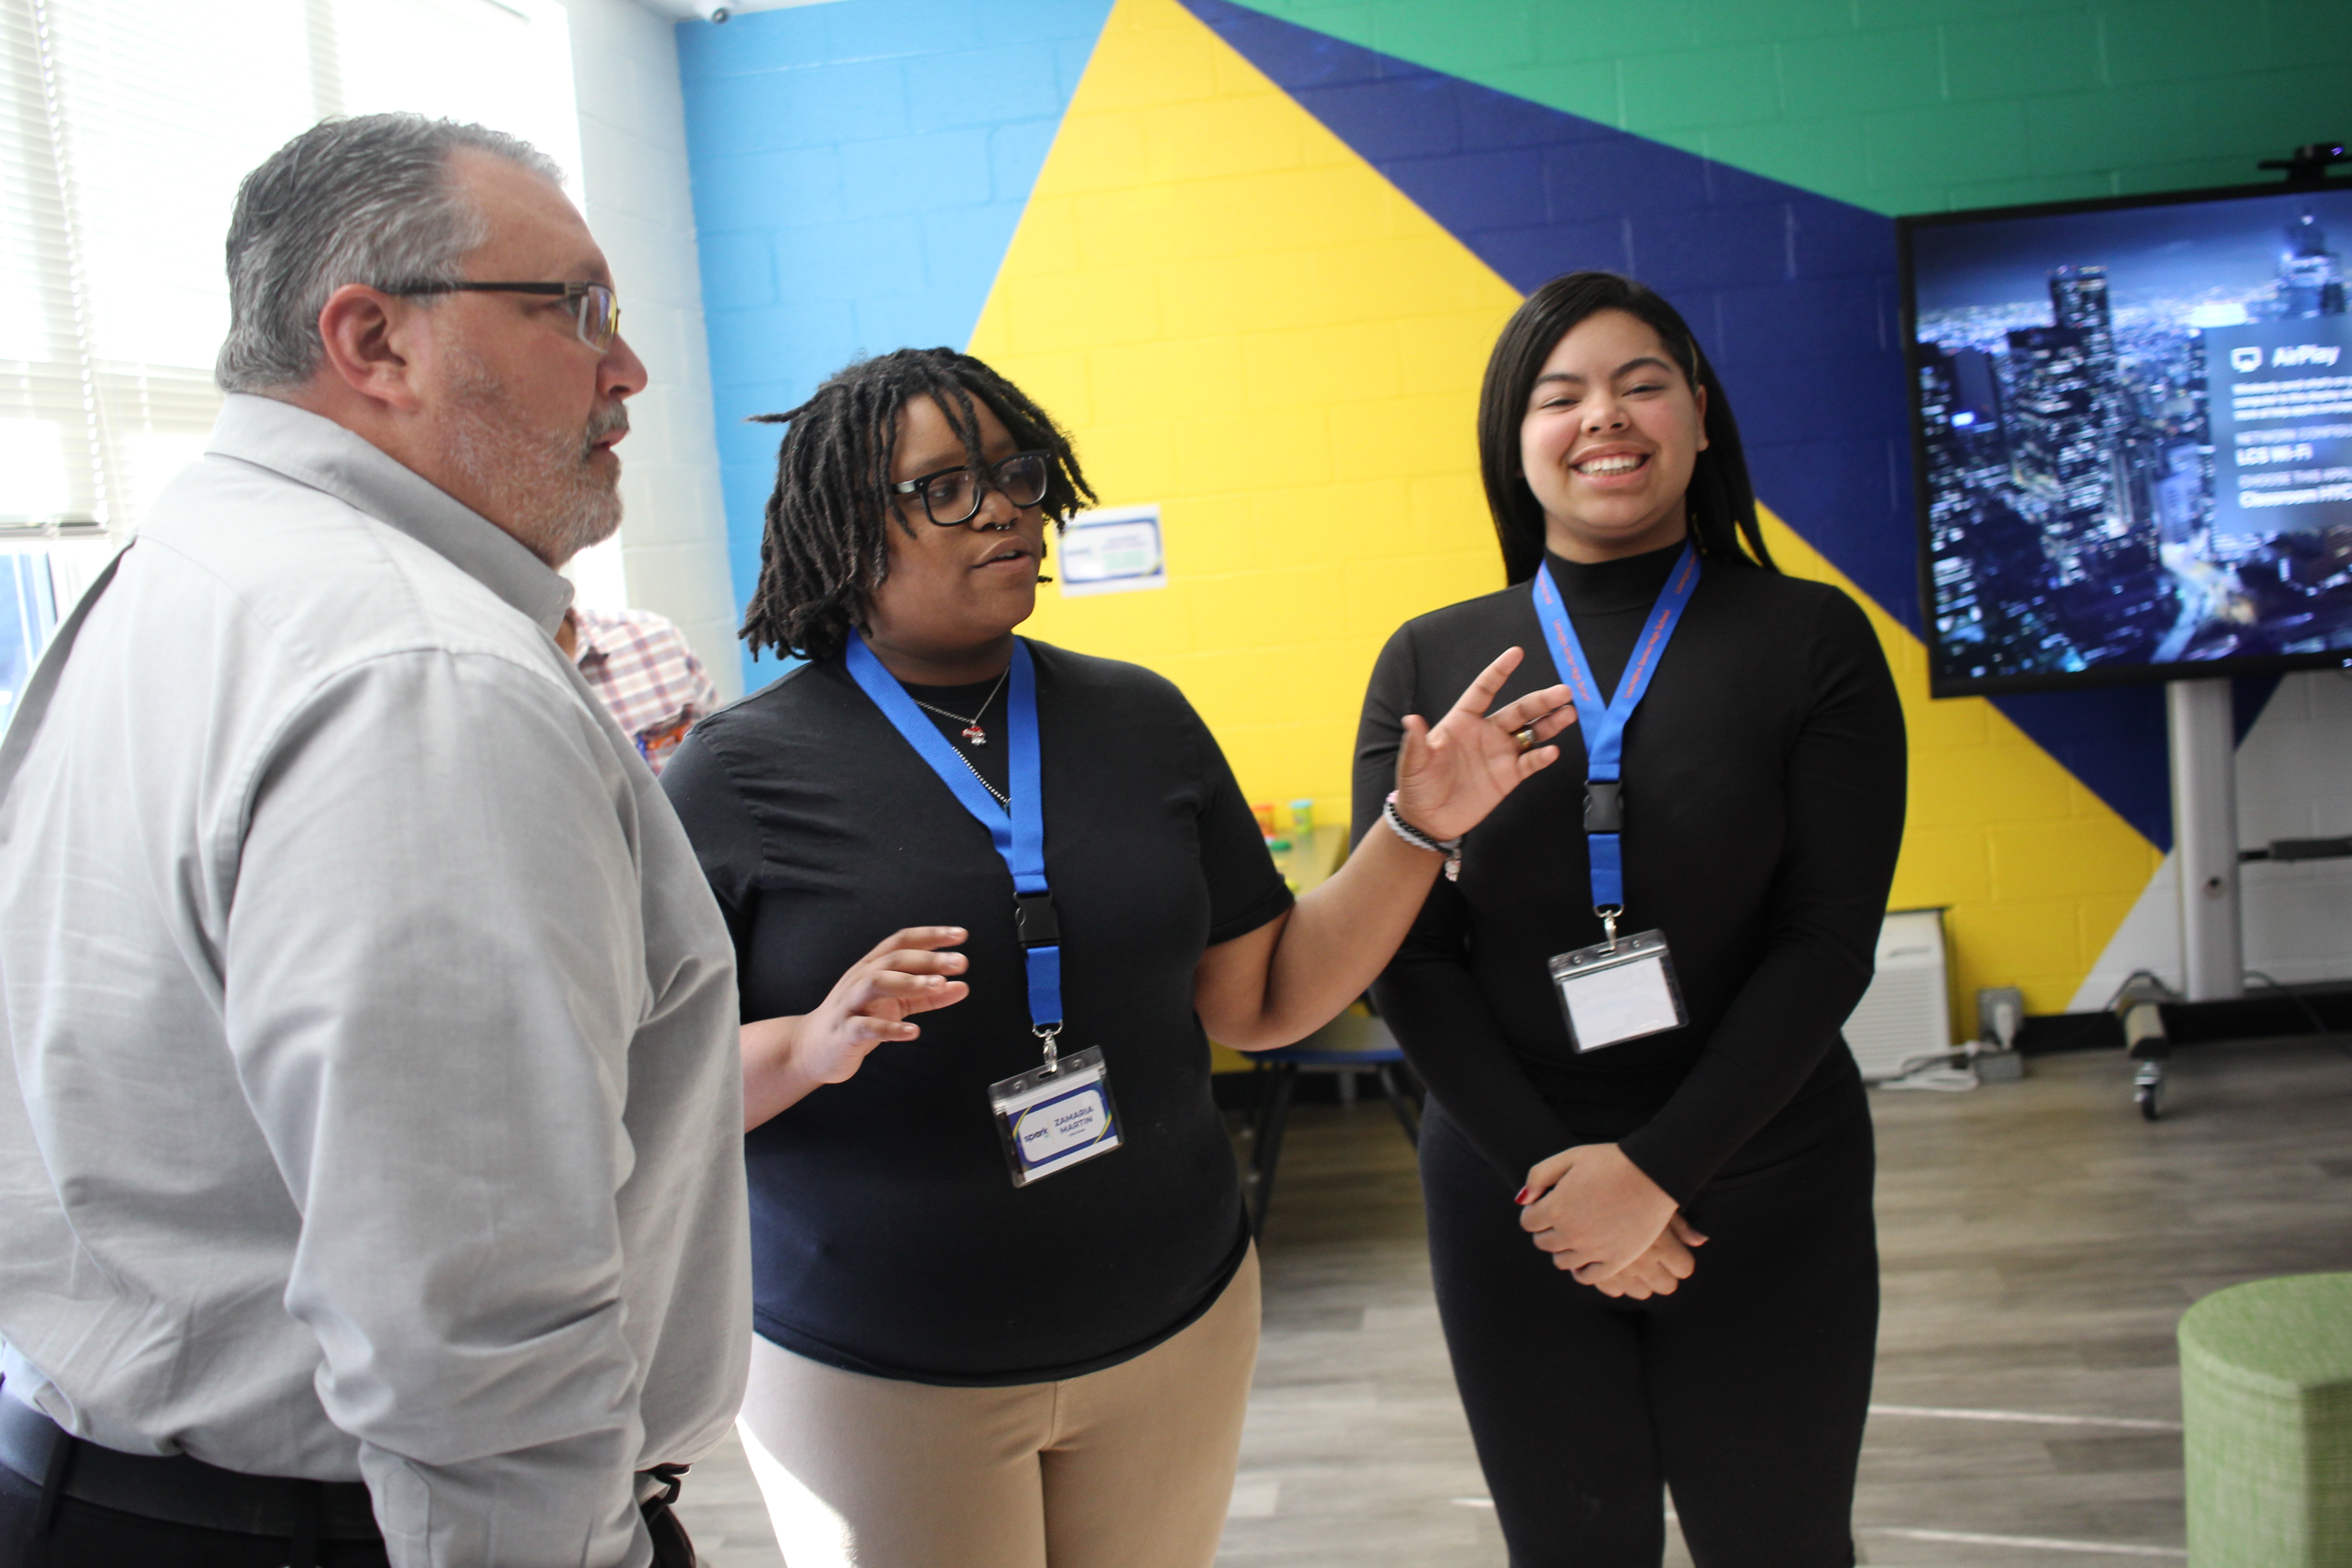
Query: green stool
{"type": "Point", "coordinates": [2266, 1399]}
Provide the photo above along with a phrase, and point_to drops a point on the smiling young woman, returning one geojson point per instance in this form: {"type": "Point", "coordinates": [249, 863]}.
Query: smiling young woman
{"type": "Point", "coordinates": [1005, 1296]}
{"type": "Point", "coordinates": [1613, 430]}
{"type": "Point", "coordinates": [1650, 1237]}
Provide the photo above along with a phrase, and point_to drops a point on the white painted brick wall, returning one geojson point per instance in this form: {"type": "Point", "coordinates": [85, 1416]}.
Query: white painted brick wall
{"type": "Point", "coordinates": [672, 550]}
{"type": "Point", "coordinates": [2295, 781]}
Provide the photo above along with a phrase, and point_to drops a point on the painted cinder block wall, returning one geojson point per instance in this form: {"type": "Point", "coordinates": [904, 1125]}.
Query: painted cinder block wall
{"type": "Point", "coordinates": [671, 553]}
{"type": "Point", "coordinates": [1905, 106]}
{"type": "Point", "coordinates": [858, 168]}
{"type": "Point", "coordinates": [1237, 296]}
{"type": "Point", "coordinates": [1899, 106]}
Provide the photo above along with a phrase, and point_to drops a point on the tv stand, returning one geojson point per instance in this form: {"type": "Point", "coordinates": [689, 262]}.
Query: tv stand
{"type": "Point", "coordinates": [2202, 728]}
{"type": "Point", "coordinates": [2213, 1003]}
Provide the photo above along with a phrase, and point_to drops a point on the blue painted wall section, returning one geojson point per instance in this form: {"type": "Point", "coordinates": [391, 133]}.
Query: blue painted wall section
{"type": "Point", "coordinates": [858, 171]}
{"type": "Point", "coordinates": [1794, 294]}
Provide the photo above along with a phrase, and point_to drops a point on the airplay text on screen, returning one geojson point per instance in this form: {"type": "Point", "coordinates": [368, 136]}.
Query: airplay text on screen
{"type": "Point", "coordinates": [2280, 406]}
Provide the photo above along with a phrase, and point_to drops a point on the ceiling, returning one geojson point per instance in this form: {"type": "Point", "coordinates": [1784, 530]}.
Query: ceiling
{"type": "Point", "coordinates": [687, 10]}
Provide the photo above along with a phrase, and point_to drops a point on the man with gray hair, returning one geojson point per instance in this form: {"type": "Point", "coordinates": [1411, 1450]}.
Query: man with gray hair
{"type": "Point", "coordinates": [373, 1190]}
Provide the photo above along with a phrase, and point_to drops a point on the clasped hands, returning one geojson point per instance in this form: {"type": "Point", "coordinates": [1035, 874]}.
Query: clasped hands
{"type": "Point", "coordinates": [1607, 1223]}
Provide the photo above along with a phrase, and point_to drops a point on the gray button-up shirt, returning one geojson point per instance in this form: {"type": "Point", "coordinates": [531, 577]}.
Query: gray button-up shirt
{"type": "Point", "coordinates": [377, 1110]}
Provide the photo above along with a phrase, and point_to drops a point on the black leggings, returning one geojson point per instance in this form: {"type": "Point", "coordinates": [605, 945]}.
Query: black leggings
{"type": "Point", "coordinates": [1745, 1391]}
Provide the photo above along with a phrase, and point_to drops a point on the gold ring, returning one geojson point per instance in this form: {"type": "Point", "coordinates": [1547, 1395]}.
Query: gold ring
{"type": "Point", "coordinates": [1526, 735]}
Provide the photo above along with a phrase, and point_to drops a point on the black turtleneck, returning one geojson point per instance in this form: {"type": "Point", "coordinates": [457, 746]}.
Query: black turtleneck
{"type": "Point", "coordinates": [1763, 797]}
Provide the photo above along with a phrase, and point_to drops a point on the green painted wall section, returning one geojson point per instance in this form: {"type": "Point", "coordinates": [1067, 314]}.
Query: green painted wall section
{"type": "Point", "coordinates": [1907, 105]}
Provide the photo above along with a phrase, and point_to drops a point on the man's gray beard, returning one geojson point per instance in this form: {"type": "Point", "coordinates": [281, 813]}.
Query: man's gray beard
{"type": "Point", "coordinates": [539, 487]}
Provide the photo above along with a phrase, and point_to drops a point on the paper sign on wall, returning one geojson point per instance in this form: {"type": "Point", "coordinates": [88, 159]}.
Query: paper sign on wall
{"type": "Point", "coordinates": [1114, 551]}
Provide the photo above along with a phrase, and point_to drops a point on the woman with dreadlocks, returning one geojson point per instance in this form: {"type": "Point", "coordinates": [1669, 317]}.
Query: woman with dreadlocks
{"type": "Point", "coordinates": [1004, 1289]}
{"type": "Point", "coordinates": [1650, 1211]}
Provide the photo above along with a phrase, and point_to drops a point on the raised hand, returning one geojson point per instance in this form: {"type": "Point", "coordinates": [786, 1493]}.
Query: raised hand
{"type": "Point", "coordinates": [905, 975]}
{"type": "Point", "coordinates": [1450, 777]}
{"type": "Point", "coordinates": [786, 1060]}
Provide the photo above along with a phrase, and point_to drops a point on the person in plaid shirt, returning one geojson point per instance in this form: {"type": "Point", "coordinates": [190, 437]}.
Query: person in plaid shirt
{"type": "Point", "coordinates": [639, 665]}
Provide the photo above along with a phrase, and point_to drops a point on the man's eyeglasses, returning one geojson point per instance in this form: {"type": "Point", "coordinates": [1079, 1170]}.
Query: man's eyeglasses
{"type": "Point", "coordinates": [597, 313]}
{"type": "Point", "coordinates": [952, 496]}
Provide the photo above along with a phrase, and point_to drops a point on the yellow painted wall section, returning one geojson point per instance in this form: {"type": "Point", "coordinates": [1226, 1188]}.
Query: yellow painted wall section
{"type": "Point", "coordinates": [1244, 322]}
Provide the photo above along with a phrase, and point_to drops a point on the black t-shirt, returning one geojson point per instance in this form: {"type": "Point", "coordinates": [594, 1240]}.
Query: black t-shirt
{"type": "Point", "coordinates": [1763, 808]}
{"type": "Point", "coordinates": [888, 1236]}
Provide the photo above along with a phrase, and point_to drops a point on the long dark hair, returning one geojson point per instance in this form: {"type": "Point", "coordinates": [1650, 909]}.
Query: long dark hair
{"type": "Point", "coordinates": [1721, 500]}
{"type": "Point", "coordinates": [823, 550]}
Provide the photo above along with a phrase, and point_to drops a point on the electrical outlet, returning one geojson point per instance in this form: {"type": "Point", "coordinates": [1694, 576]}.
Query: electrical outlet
{"type": "Point", "coordinates": [2000, 1013]}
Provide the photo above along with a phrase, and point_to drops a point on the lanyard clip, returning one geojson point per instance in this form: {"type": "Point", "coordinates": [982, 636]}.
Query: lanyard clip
{"type": "Point", "coordinates": [1608, 913]}
{"type": "Point", "coordinates": [1034, 921]}
{"type": "Point", "coordinates": [1053, 1052]}
{"type": "Point", "coordinates": [1604, 810]}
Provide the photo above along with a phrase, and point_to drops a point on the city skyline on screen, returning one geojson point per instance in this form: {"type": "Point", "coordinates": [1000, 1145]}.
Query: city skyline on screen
{"type": "Point", "coordinates": [2136, 434]}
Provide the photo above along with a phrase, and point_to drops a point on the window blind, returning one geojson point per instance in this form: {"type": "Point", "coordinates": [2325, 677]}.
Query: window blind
{"type": "Point", "coordinates": [124, 127]}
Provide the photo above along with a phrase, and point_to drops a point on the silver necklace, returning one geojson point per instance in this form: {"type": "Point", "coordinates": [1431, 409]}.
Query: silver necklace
{"type": "Point", "coordinates": [1003, 799]}
{"type": "Point", "coordinates": [973, 733]}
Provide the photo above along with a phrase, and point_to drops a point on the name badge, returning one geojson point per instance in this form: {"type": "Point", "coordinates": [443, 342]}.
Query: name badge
{"type": "Point", "coordinates": [1618, 991]}
{"type": "Point", "coordinates": [1051, 1118]}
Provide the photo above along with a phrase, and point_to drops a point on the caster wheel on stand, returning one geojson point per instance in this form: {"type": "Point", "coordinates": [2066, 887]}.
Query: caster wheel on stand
{"type": "Point", "coordinates": [2147, 1089]}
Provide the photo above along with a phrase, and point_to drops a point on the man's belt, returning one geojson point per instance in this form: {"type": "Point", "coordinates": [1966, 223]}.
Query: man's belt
{"type": "Point", "coordinates": [176, 1488]}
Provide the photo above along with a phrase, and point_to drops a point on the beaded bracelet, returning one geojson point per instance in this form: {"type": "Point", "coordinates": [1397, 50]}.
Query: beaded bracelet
{"type": "Point", "coordinates": [1449, 847]}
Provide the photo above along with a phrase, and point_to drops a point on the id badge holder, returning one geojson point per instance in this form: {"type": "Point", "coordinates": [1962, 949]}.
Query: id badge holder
{"type": "Point", "coordinates": [1055, 1115]}
{"type": "Point", "coordinates": [1618, 990]}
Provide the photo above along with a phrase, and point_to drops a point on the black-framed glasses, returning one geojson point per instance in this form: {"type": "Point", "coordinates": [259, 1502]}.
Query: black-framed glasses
{"type": "Point", "coordinates": [952, 496]}
{"type": "Point", "coordinates": [595, 308]}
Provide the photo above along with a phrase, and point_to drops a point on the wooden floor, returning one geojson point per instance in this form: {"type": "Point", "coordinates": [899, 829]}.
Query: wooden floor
{"type": "Point", "coordinates": [2041, 1241]}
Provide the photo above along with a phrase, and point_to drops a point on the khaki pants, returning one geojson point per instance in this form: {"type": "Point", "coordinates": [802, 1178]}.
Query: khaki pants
{"type": "Point", "coordinates": [1130, 1467]}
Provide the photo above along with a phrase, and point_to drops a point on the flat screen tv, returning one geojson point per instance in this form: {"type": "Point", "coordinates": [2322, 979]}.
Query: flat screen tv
{"type": "Point", "coordinates": [2132, 427]}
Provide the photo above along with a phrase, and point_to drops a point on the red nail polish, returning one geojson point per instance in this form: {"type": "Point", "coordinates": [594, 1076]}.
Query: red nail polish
{"type": "Point", "coordinates": [1522, 1198]}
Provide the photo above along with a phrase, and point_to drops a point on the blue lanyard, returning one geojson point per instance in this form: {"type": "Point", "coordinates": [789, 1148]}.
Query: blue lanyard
{"type": "Point", "coordinates": [1019, 833]}
{"type": "Point", "coordinates": [1604, 728]}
